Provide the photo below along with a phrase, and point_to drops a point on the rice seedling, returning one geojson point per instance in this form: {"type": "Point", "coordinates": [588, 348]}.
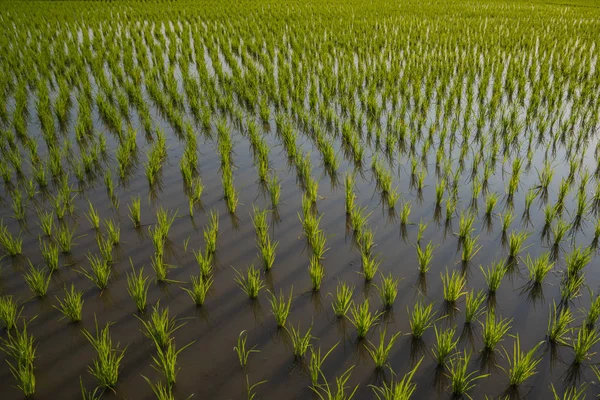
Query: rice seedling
{"type": "Point", "coordinates": [398, 390]}
{"type": "Point", "coordinates": [65, 238]}
{"type": "Point", "coordinates": [9, 312]}
{"type": "Point", "coordinates": [582, 344]}
{"type": "Point", "coordinates": [93, 216]}
{"type": "Point", "coordinates": [316, 362]}
{"type": "Point", "coordinates": [422, 318]}
{"type": "Point", "coordinates": [267, 252]}
{"type": "Point", "coordinates": [370, 266]}
{"type": "Point", "coordinates": [362, 318]}
{"type": "Point", "coordinates": [572, 392]}
{"type": "Point", "coordinates": [46, 222]}
{"type": "Point", "coordinates": [135, 211]}
{"type": "Point", "coordinates": [381, 352]}
{"type": "Point", "coordinates": [494, 329]}
{"type": "Point", "coordinates": [21, 347]}
{"type": "Point", "coordinates": [160, 327]}
{"type": "Point", "coordinates": [343, 299]}
{"type": "Point", "coordinates": [470, 248]}
{"type": "Point", "coordinates": [473, 305]}
{"type": "Point", "coordinates": [494, 275]}
{"type": "Point", "coordinates": [559, 321]}
{"type": "Point", "coordinates": [72, 304]}
{"type": "Point", "coordinates": [515, 243]}
{"type": "Point", "coordinates": [316, 272]}
{"type": "Point", "coordinates": [165, 360]}
{"type": "Point", "coordinates": [539, 268]}
{"type": "Point", "coordinates": [522, 364]}
{"type": "Point", "coordinates": [300, 343]}
{"type": "Point", "coordinates": [251, 282]}
{"type": "Point", "coordinates": [388, 290]}
{"type": "Point", "coordinates": [12, 245]}
{"type": "Point", "coordinates": [274, 190]}
{"type": "Point", "coordinates": [325, 391]}
{"type": "Point", "coordinates": [461, 380]}
{"type": "Point", "coordinates": [577, 260]}
{"type": "Point", "coordinates": [242, 352]}
{"type": "Point", "coordinates": [405, 213]}
{"type": "Point", "coordinates": [280, 307]}
{"type": "Point", "coordinates": [593, 313]}
{"type": "Point", "coordinates": [465, 226]}
{"type": "Point", "coordinates": [113, 232]}
{"type": "Point", "coordinates": [50, 255]}
{"type": "Point", "coordinates": [454, 286]}
{"type": "Point", "coordinates": [107, 364]}
{"type": "Point", "coordinates": [424, 257]}
{"type": "Point", "coordinates": [100, 271]}
{"type": "Point", "coordinates": [137, 287]}
{"type": "Point", "coordinates": [37, 280]}
{"type": "Point", "coordinates": [161, 391]}
{"type": "Point", "coordinates": [205, 263]}
{"type": "Point", "coordinates": [200, 287]}
{"type": "Point", "coordinates": [445, 344]}
{"type": "Point", "coordinates": [571, 288]}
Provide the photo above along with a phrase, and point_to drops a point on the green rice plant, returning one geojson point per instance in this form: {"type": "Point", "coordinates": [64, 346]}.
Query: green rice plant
{"type": "Point", "coordinates": [12, 245]}
{"type": "Point", "coordinates": [274, 190]}
{"type": "Point", "coordinates": [571, 288]}
{"type": "Point", "coordinates": [135, 213]}
{"type": "Point", "coordinates": [316, 362]}
{"type": "Point", "coordinates": [267, 252]}
{"type": "Point", "coordinates": [539, 268]}
{"type": "Point", "coordinates": [359, 219]}
{"type": "Point", "coordinates": [113, 232]}
{"type": "Point", "coordinates": [465, 226]}
{"type": "Point", "coordinates": [165, 360]}
{"type": "Point", "coordinates": [559, 321]}
{"type": "Point", "coordinates": [343, 299]}
{"type": "Point", "coordinates": [160, 327]}
{"type": "Point", "coordinates": [105, 247]}
{"type": "Point", "coordinates": [261, 225]}
{"type": "Point", "coordinates": [200, 287]}
{"type": "Point", "coordinates": [349, 182]}
{"type": "Point", "coordinates": [522, 364]}
{"type": "Point", "coordinates": [280, 307]}
{"type": "Point", "coordinates": [251, 282]}
{"type": "Point", "coordinates": [38, 280]}
{"type": "Point", "coordinates": [107, 364]}
{"type": "Point", "coordinates": [251, 394]}
{"type": "Point", "coordinates": [461, 380]}
{"type": "Point", "coordinates": [577, 260]}
{"type": "Point", "coordinates": [9, 312]}
{"type": "Point", "coordinates": [370, 266]}
{"type": "Point", "coordinates": [160, 267]}
{"type": "Point", "coordinates": [593, 313]}
{"type": "Point", "coordinates": [161, 391]}
{"type": "Point", "coordinates": [515, 243]}
{"type": "Point", "coordinates": [72, 304]}
{"type": "Point", "coordinates": [211, 233]}
{"type": "Point", "coordinates": [572, 392]}
{"type": "Point", "coordinates": [507, 219]}
{"type": "Point", "coordinates": [164, 221]}
{"type": "Point", "coordinates": [300, 343]}
{"type": "Point", "coordinates": [20, 346]}
{"type": "Point", "coordinates": [93, 216]}
{"type": "Point", "coordinates": [559, 232]}
{"type": "Point", "coordinates": [583, 343]}
{"type": "Point", "coordinates": [205, 263]}
{"type": "Point", "coordinates": [380, 353]}
{"type": "Point", "coordinates": [454, 286]}
{"type": "Point", "coordinates": [494, 330]}
{"type": "Point", "coordinates": [100, 271]}
{"type": "Point", "coordinates": [46, 222]}
{"type": "Point", "coordinates": [316, 272]}
{"type": "Point", "coordinates": [137, 287]}
{"type": "Point", "coordinates": [18, 206]}
{"type": "Point", "coordinates": [405, 213]}
{"type": "Point", "coordinates": [494, 275]}
{"type": "Point", "coordinates": [325, 391]}
{"type": "Point", "coordinates": [445, 344]}
{"type": "Point", "coordinates": [422, 228]}
{"type": "Point", "coordinates": [421, 318]}
{"type": "Point", "coordinates": [388, 290]}
{"type": "Point", "coordinates": [241, 350]}
{"type": "Point", "coordinates": [362, 318]}
{"type": "Point", "coordinates": [424, 257]}
{"type": "Point", "coordinates": [65, 238]}
{"type": "Point", "coordinates": [473, 305]}
{"type": "Point", "coordinates": [469, 248]}
{"type": "Point", "coordinates": [50, 255]}
{"type": "Point", "coordinates": [490, 202]}
{"type": "Point", "coordinates": [398, 390]}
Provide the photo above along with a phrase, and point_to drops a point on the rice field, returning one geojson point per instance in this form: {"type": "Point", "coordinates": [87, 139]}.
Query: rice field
{"type": "Point", "coordinates": [300, 200]}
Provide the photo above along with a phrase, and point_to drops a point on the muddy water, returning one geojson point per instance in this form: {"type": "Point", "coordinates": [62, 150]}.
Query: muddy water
{"type": "Point", "coordinates": [209, 367]}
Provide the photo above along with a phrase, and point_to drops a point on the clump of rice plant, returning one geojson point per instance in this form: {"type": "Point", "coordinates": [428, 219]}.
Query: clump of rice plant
{"type": "Point", "coordinates": [461, 380]}
{"type": "Point", "coordinates": [251, 282]}
{"type": "Point", "coordinates": [494, 330]}
{"type": "Point", "coordinates": [72, 304]}
{"type": "Point", "coordinates": [593, 313]}
{"type": "Point", "coordinates": [494, 275]}
{"type": "Point", "coordinates": [65, 238]}
{"type": "Point", "coordinates": [316, 362]}
{"type": "Point", "coordinates": [200, 287]}
{"type": "Point", "coordinates": [522, 364]}
{"type": "Point", "coordinates": [267, 252]}
{"type": "Point", "coordinates": [316, 272]}
{"type": "Point", "coordinates": [38, 280]}
{"type": "Point", "coordinates": [380, 353]}
{"type": "Point", "coordinates": [454, 286]}
{"type": "Point", "coordinates": [9, 312]}
{"type": "Point", "coordinates": [388, 290]}
{"type": "Point", "coordinates": [50, 255]}
{"type": "Point", "coordinates": [165, 360]}
{"type": "Point", "coordinates": [135, 213]}
{"type": "Point", "coordinates": [137, 287]}
{"type": "Point", "coordinates": [349, 182]}
{"type": "Point", "coordinates": [445, 344]}
{"type": "Point", "coordinates": [516, 241]}
{"type": "Point", "coordinates": [12, 245]}
{"type": "Point", "coordinates": [205, 263]}
{"type": "Point", "coordinates": [93, 216]}
{"type": "Point", "coordinates": [20, 347]}
{"type": "Point", "coordinates": [113, 232]}
{"type": "Point", "coordinates": [363, 319]}
{"type": "Point", "coordinates": [424, 257]}
{"type": "Point", "coordinates": [107, 364]}
{"type": "Point", "coordinates": [473, 305]}
{"type": "Point", "coordinates": [100, 271]}
{"type": "Point", "coordinates": [582, 344]}
{"type": "Point", "coordinates": [398, 390]}
{"type": "Point", "coordinates": [577, 260]}
{"type": "Point", "coordinates": [241, 350]}
{"type": "Point", "coordinates": [341, 390]}
{"type": "Point", "coordinates": [280, 307]}
{"type": "Point", "coordinates": [559, 322]}
{"type": "Point", "coordinates": [469, 248]}
{"type": "Point", "coordinates": [343, 299]}
{"type": "Point", "coordinates": [421, 318]}
{"type": "Point", "coordinates": [160, 327]}
{"type": "Point", "coordinates": [370, 266]}
{"type": "Point", "coordinates": [300, 343]}
{"type": "Point", "coordinates": [539, 268]}
{"type": "Point", "coordinates": [211, 233]}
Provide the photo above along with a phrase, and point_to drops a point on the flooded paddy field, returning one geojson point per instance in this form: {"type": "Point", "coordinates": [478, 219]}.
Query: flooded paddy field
{"type": "Point", "coordinates": [299, 200]}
